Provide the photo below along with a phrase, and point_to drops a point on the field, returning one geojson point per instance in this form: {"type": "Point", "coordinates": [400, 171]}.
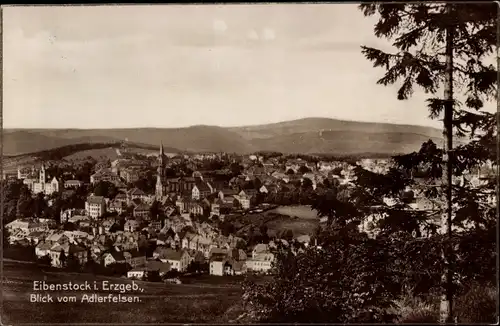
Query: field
{"type": "Point", "coordinates": [109, 152]}
{"type": "Point", "coordinates": [301, 211]}
{"type": "Point", "coordinates": [300, 219]}
{"type": "Point", "coordinates": [95, 153]}
{"type": "Point", "coordinates": [199, 302]}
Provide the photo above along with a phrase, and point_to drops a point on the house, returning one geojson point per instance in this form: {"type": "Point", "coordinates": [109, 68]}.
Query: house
{"type": "Point", "coordinates": [121, 197]}
{"type": "Point", "coordinates": [228, 200]}
{"type": "Point", "coordinates": [104, 226]}
{"type": "Point", "coordinates": [43, 249]}
{"type": "Point", "coordinates": [117, 206]}
{"type": "Point", "coordinates": [24, 173]}
{"type": "Point", "coordinates": [96, 251]}
{"type": "Point", "coordinates": [158, 266]}
{"type": "Point", "coordinates": [227, 193]}
{"type": "Point", "coordinates": [115, 257]}
{"type": "Point", "coordinates": [215, 207]}
{"type": "Point", "coordinates": [269, 189]}
{"type": "Point", "coordinates": [237, 254]}
{"type": "Point", "coordinates": [237, 182]}
{"type": "Point", "coordinates": [142, 211]}
{"type": "Point", "coordinates": [232, 267]}
{"type": "Point", "coordinates": [156, 225]}
{"type": "Point", "coordinates": [79, 252]}
{"type": "Point", "coordinates": [95, 206]}
{"type": "Point", "coordinates": [135, 258]}
{"type": "Point", "coordinates": [176, 223]}
{"type": "Point", "coordinates": [105, 175]}
{"type": "Point", "coordinates": [196, 256]}
{"type": "Point", "coordinates": [246, 201]}
{"type": "Point", "coordinates": [137, 273]}
{"type": "Point", "coordinates": [178, 259]}
{"type": "Point", "coordinates": [72, 184]}
{"type": "Point", "coordinates": [190, 241]}
{"type": "Point", "coordinates": [58, 250]}
{"type": "Point", "coordinates": [136, 193]}
{"type": "Point", "coordinates": [201, 190]}
{"type": "Point", "coordinates": [221, 265]}
{"type": "Point", "coordinates": [131, 226]}
{"type": "Point", "coordinates": [260, 263]}
{"type": "Point", "coordinates": [262, 259]}
{"type": "Point", "coordinates": [181, 204]}
{"type": "Point", "coordinates": [197, 209]}
{"type": "Point", "coordinates": [27, 225]}
{"type": "Point", "coordinates": [260, 248]}
{"type": "Point", "coordinates": [130, 175]}
{"type": "Point", "coordinates": [166, 240]}
{"type": "Point", "coordinates": [217, 252]}
{"type": "Point", "coordinates": [217, 265]}
{"type": "Point", "coordinates": [169, 211]}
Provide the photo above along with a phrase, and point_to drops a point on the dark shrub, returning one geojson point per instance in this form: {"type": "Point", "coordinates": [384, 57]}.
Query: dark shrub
{"type": "Point", "coordinates": [477, 305]}
{"type": "Point", "coordinates": [420, 316]}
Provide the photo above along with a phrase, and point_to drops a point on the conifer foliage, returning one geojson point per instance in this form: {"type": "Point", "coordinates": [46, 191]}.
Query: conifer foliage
{"type": "Point", "coordinates": [379, 244]}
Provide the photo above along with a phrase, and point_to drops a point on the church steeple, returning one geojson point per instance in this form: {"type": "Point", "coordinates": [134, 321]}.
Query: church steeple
{"type": "Point", "coordinates": [161, 161]}
{"type": "Point", "coordinates": [159, 176]}
{"type": "Point", "coordinates": [42, 177]}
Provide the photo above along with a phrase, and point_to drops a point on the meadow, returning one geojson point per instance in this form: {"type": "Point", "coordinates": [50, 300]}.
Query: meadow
{"type": "Point", "coordinates": [207, 301]}
{"type": "Point", "coordinates": [300, 219]}
{"type": "Point", "coordinates": [300, 211]}
{"type": "Point", "coordinates": [108, 152]}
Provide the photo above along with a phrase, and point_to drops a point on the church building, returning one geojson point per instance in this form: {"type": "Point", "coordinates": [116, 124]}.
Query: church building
{"type": "Point", "coordinates": [41, 185]}
{"type": "Point", "coordinates": [165, 186]}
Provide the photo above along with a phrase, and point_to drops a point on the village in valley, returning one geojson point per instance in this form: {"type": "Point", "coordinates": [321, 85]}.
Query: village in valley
{"type": "Point", "coordinates": [160, 216]}
{"type": "Point", "coordinates": [250, 164]}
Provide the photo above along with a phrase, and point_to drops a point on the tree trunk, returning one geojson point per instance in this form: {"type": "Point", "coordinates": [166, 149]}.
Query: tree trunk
{"type": "Point", "coordinates": [497, 163]}
{"type": "Point", "coordinates": [446, 315]}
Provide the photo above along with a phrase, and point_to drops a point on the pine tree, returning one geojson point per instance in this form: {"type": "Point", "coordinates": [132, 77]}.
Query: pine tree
{"type": "Point", "coordinates": [466, 32]}
{"type": "Point", "coordinates": [342, 276]}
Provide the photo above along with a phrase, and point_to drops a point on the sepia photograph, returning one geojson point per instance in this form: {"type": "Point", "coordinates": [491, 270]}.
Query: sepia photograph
{"type": "Point", "coordinates": [291, 163]}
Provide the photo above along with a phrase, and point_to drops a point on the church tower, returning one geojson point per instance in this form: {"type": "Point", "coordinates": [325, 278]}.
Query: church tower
{"type": "Point", "coordinates": [161, 159]}
{"type": "Point", "coordinates": [42, 177]}
{"type": "Point", "coordinates": [159, 176]}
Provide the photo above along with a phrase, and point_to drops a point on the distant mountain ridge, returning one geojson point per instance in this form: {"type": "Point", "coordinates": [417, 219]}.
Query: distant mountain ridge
{"type": "Point", "coordinates": [309, 135]}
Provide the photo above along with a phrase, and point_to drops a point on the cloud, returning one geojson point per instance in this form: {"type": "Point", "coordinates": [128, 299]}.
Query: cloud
{"type": "Point", "coordinates": [219, 26]}
{"type": "Point", "coordinates": [252, 35]}
{"type": "Point", "coordinates": [268, 34]}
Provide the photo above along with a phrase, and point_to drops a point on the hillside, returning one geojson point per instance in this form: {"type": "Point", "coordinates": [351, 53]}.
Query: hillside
{"type": "Point", "coordinates": [345, 142]}
{"type": "Point", "coordinates": [196, 138]}
{"type": "Point", "coordinates": [310, 135]}
{"type": "Point", "coordinates": [16, 142]}
{"type": "Point", "coordinates": [110, 150]}
{"type": "Point", "coordinates": [301, 126]}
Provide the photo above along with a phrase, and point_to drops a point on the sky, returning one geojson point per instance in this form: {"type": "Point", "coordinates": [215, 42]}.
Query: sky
{"type": "Point", "coordinates": [182, 65]}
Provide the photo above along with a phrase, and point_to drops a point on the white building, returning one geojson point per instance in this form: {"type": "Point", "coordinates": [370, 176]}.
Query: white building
{"type": "Point", "coordinates": [95, 206]}
{"type": "Point", "coordinates": [41, 185]}
{"type": "Point", "coordinates": [262, 259]}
